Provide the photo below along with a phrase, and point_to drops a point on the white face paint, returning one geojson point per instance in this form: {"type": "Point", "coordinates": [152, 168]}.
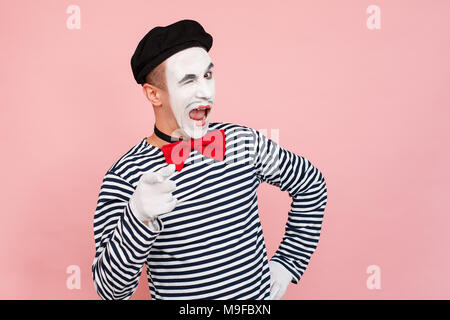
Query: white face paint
{"type": "Point", "coordinates": [191, 84]}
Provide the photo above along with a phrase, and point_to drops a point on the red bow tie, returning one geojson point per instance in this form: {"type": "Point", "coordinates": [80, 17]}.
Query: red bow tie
{"type": "Point", "coordinates": [211, 145]}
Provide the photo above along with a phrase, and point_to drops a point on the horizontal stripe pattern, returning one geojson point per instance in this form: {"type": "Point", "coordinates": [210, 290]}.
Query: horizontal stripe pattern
{"type": "Point", "coordinates": [211, 246]}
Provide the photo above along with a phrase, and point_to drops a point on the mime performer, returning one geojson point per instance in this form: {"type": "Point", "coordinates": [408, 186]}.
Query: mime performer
{"type": "Point", "coordinates": [183, 201]}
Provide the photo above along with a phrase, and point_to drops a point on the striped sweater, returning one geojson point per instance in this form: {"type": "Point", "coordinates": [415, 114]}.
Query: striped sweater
{"type": "Point", "coordinates": [211, 246]}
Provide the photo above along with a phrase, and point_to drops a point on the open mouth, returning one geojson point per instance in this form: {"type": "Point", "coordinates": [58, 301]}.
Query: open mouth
{"type": "Point", "coordinates": [200, 114]}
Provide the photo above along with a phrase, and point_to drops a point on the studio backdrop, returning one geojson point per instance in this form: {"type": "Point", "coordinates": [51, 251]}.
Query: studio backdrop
{"type": "Point", "coordinates": [360, 88]}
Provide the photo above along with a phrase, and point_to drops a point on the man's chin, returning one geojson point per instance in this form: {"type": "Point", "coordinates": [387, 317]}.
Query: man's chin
{"type": "Point", "coordinates": [196, 132]}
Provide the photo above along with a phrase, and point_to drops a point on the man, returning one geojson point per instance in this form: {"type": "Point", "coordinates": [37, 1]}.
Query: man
{"type": "Point", "coordinates": [183, 201]}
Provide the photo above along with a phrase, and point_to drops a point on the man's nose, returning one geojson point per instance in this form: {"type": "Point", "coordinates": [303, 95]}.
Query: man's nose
{"type": "Point", "coordinates": [205, 90]}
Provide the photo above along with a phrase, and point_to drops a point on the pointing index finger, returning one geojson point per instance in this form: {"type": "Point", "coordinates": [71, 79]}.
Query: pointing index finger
{"type": "Point", "coordinates": [167, 171]}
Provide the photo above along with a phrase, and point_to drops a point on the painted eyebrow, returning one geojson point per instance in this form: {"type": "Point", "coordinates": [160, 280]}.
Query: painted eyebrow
{"type": "Point", "coordinates": [193, 76]}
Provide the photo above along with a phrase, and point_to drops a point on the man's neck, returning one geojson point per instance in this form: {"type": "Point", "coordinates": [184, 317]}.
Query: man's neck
{"type": "Point", "coordinates": [157, 141]}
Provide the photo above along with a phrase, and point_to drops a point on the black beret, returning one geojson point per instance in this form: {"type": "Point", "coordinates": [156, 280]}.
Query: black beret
{"type": "Point", "coordinates": [162, 42]}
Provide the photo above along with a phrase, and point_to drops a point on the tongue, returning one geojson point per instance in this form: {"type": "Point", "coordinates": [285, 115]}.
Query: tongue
{"type": "Point", "coordinates": [197, 114]}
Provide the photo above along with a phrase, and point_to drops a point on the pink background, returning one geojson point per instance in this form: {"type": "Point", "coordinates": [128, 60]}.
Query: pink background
{"type": "Point", "coordinates": [369, 108]}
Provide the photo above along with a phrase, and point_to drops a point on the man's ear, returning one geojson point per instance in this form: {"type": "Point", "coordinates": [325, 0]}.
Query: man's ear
{"type": "Point", "coordinates": [152, 93]}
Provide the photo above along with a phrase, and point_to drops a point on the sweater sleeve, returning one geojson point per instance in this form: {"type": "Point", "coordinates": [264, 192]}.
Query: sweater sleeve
{"type": "Point", "coordinates": [306, 186]}
{"type": "Point", "coordinates": [122, 242]}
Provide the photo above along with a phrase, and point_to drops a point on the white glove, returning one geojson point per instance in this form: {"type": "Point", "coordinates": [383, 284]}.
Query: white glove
{"type": "Point", "coordinates": [280, 278]}
{"type": "Point", "coordinates": [153, 196]}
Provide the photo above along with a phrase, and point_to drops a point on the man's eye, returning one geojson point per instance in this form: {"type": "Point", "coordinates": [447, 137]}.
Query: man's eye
{"type": "Point", "coordinates": [210, 74]}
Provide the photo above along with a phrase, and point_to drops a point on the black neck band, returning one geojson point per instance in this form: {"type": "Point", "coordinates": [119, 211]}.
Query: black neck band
{"type": "Point", "coordinates": [165, 137]}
